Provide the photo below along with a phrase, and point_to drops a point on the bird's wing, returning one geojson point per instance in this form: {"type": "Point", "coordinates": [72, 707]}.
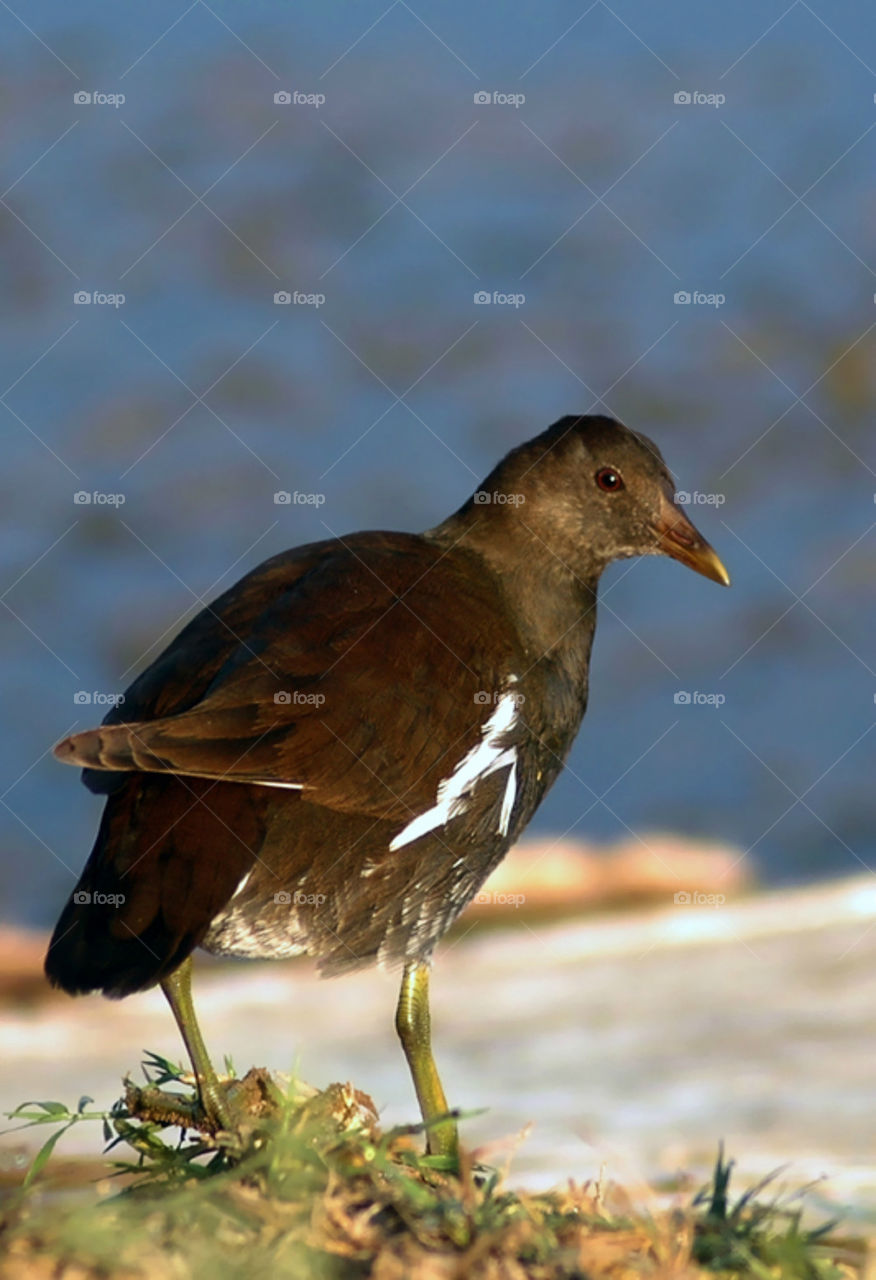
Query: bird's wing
{"type": "Point", "coordinates": [182, 673]}
{"type": "Point", "coordinates": [363, 685]}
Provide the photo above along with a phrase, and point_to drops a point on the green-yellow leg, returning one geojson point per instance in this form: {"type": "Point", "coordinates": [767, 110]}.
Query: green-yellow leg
{"type": "Point", "coordinates": [413, 1023]}
{"type": "Point", "coordinates": [178, 989]}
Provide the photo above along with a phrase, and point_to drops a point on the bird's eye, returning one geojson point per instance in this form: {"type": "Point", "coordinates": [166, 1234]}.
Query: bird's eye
{"type": "Point", "coordinates": [609, 480]}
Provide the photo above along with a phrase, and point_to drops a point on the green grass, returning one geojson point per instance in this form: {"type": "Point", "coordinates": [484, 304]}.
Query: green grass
{"type": "Point", "coordinates": [308, 1186]}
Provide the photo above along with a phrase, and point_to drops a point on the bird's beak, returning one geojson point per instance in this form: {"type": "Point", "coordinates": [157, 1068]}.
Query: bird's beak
{"type": "Point", "coordinates": [678, 538]}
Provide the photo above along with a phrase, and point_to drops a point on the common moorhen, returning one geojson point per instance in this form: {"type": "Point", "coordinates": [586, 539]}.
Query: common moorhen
{"type": "Point", "coordinates": [332, 757]}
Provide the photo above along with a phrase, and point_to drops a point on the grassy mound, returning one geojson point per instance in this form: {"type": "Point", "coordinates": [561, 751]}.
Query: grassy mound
{"type": "Point", "coordinates": [308, 1186]}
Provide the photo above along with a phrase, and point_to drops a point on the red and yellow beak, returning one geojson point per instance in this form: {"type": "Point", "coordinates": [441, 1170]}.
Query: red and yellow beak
{"type": "Point", "coordinates": [678, 538]}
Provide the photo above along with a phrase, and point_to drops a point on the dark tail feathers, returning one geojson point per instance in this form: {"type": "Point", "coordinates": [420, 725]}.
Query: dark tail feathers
{"type": "Point", "coordinates": [168, 856]}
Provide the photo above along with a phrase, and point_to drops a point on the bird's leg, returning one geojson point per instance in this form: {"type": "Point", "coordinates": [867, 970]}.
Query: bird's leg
{"type": "Point", "coordinates": [178, 989]}
{"type": "Point", "coordinates": [413, 1024]}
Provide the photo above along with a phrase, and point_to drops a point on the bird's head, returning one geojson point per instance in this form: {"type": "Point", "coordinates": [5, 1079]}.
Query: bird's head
{"type": "Point", "coordinates": [586, 492]}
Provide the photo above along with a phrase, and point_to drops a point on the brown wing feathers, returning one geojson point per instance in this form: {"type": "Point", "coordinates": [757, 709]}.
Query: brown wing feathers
{"type": "Point", "coordinates": [321, 625]}
{"type": "Point", "coordinates": [191, 745]}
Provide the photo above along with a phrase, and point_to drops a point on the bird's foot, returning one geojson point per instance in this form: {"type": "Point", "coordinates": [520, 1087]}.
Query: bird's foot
{"type": "Point", "coordinates": [221, 1106]}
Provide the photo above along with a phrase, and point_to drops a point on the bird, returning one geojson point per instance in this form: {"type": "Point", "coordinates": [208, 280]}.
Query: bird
{"type": "Point", "coordinates": [331, 758]}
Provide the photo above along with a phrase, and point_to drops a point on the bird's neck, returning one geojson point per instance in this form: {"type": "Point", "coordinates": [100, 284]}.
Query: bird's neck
{"type": "Point", "coordinates": [554, 608]}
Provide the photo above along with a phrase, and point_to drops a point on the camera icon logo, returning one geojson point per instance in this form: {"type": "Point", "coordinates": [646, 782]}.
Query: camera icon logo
{"type": "Point", "coordinates": [282, 298]}
{"type": "Point", "coordinates": [681, 298]}
{"type": "Point", "coordinates": [283, 698]}
{"type": "Point", "coordinates": [682, 698]}
{"type": "Point", "coordinates": [682, 98]}
{"type": "Point", "coordinates": [282, 498]}
{"type": "Point", "coordinates": [682, 497]}
{"type": "Point", "coordinates": [482, 298]}
{"type": "Point", "coordinates": [682, 898]}
{"type": "Point", "coordinates": [283, 896]}
{"type": "Point", "coordinates": [81, 98]}
{"type": "Point", "coordinates": [81, 498]}
{"type": "Point", "coordinates": [481, 497]}
{"type": "Point", "coordinates": [282, 98]}
{"type": "Point", "coordinates": [481, 697]}
{"type": "Point", "coordinates": [82, 897]}
{"type": "Point", "coordinates": [482, 98]}
{"type": "Point", "coordinates": [81, 698]}
{"type": "Point", "coordinates": [82, 297]}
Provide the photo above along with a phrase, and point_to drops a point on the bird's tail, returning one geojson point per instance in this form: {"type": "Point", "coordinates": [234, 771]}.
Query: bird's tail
{"type": "Point", "coordinates": [162, 867]}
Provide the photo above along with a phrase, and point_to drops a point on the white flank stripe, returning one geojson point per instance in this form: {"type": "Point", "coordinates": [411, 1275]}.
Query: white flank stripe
{"type": "Point", "coordinates": [240, 888]}
{"type": "Point", "coordinates": [454, 792]}
{"type": "Point", "coordinates": [509, 797]}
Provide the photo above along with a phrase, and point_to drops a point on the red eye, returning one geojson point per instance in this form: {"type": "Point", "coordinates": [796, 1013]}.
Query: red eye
{"type": "Point", "coordinates": [609, 480]}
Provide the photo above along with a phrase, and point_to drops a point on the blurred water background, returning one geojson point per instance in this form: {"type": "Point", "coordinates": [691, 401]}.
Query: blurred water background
{"type": "Point", "coordinates": [599, 197]}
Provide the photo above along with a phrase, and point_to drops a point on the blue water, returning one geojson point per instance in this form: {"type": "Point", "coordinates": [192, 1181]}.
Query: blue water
{"type": "Point", "coordinates": [100, 398]}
